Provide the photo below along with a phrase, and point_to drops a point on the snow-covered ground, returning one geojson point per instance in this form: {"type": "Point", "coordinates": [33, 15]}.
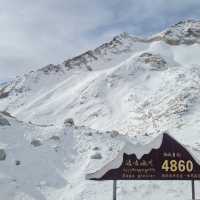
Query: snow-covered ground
{"type": "Point", "coordinates": [56, 167]}
{"type": "Point", "coordinates": [139, 87]}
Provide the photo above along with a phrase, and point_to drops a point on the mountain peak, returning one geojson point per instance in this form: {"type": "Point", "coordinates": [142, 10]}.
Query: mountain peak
{"type": "Point", "coordinates": [186, 22]}
{"type": "Point", "coordinates": [123, 35]}
{"type": "Point", "coordinates": [184, 32]}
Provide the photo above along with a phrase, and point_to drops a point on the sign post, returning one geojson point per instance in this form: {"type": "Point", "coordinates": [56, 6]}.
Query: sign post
{"type": "Point", "coordinates": [114, 189]}
{"type": "Point", "coordinates": [162, 159]}
{"type": "Point", "coordinates": [193, 190]}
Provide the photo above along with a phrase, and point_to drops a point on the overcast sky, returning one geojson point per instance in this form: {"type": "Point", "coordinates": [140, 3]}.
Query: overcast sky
{"type": "Point", "coordinates": [38, 32]}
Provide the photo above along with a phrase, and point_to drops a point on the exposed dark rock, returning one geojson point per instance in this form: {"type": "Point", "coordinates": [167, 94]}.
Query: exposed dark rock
{"type": "Point", "coordinates": [4, 121]}
{"type": "Point", "coordinates": [7, 114]}
{"type": "Point", "coordinates": [110, 149]}
{"type": "Point", "coordinates": [96, 156]}
{"type": "Point", "coordinates": [81, 60]}
{"type": "Point", "coordinates": [99, 132]}
{"type": "Point", "coordinates": [172, 41]}
{"type": "Point", "coordinates": [69, 122]}
{"type": "Point", "coordinates": [50, 68]}
{"type": "Point", "coordinates": [36, 143]}
{"type": "Point", "coordinates": [114, 134]}
{"type": "Point", "coordinates": [96, 149]}
{"type": "Point", "coordinates": [2, 154]}
{"type": "Point", "coordinates": [4, 94]}
{"type": "Point", "coordinates": [89, 68]}
{"type": "Point", "coordinates": [185, 32]}
{"type": "Point", "coordinates": [55, 137]}
{"type": "Point", "coordinates": [156, 61]}
{"type": "Point", "coordinates": [17, 162]}
{"type": "Point", "coordinates": [88, 133]}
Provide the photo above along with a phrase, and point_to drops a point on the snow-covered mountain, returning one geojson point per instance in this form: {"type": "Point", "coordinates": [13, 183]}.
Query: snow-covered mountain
{"type": "Point", "coordinates": [127, 84]}
{"type": "Point", "coordinates": [137, 86]}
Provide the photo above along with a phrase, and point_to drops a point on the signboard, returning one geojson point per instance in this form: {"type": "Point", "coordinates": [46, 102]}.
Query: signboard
{"type": "Point", "coordinates": [170, 161]}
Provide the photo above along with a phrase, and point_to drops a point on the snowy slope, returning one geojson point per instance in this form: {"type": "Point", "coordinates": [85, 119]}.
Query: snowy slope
{"type": "Point", "coordinates": [56, 167]}
{"type": "Point", "coordinates": [140, 87]}
{"type": "Point", "coordinates": [127, 84]}
{"type": "Point", "coordinates": [52, 168]}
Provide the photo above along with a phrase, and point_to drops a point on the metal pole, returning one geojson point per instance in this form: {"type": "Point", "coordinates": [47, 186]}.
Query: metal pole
{"type": "Point", "coordinates": [114, 189]}
{"type": "Point", "coordinates": [193, 190]}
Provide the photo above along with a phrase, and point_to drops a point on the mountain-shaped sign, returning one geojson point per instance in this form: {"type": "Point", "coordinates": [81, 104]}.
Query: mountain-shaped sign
{"type": "Point", "coordinates": [163, 159]}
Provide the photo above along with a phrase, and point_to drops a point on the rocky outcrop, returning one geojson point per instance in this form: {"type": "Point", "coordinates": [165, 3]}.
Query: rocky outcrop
{"type": "Point", "coordinates": [4, 121]}
{"type": "Point", "coordinates": [50, 68]}
{"type": "Point", "coordinates": [17, 162]}
{"type": "Point", "coordinates": [155, 61]}
{"type": "Point", "coordinates": [184, 32]}
{"type": "Point", "coordinates": [96, 156]}
{"type": "Point", "coordinates": [36, 143]}
{"type": "Point", "coordinates": [3, 92]}
{"type": "Point", "coordinates": [82, 60]}
{"type": "Point", "coordinates": [2, 154]}
{"type": "Point", "coordinates": [55, 138]}
{"type": "Point", "coordinates": [114, 133]}
{"type": "Point", "coordinates": [69, 122]}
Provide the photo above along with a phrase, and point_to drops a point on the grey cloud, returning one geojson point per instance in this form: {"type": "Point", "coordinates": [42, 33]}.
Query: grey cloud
{"type": "Point", "coordinates": [35, 33]}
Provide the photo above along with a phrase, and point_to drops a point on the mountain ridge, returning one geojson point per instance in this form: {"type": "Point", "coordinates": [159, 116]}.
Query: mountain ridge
{"type": "Point", "coordinates": [115, 69]}
{"type": "Point", "coordinates": [187, 28]}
